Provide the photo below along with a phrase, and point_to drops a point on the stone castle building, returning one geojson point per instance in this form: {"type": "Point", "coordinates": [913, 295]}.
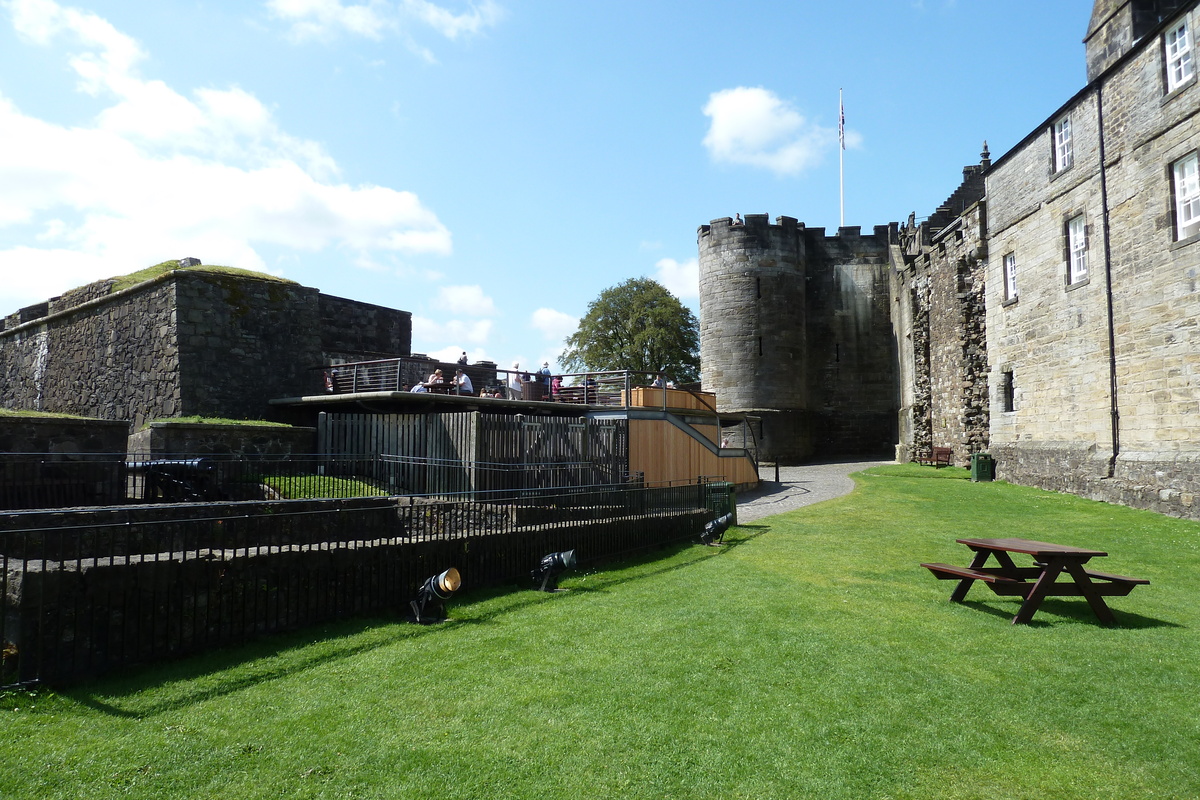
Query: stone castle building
{"type": "Point", "coordinates": [187, 342]}
{"type": "Point", "coordinates": [794, 329]}
{"type": "Point", "coordinates": [1047, 313]}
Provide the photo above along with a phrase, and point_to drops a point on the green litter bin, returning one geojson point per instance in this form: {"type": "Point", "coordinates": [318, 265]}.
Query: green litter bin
{"type": "Point", "coordinates": [983, 467]}
{"type": "Point", "coordinates": [721, 498]}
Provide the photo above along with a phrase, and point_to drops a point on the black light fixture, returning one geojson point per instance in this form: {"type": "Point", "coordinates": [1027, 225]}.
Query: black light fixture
{"type": "Point", "coordinates": [550, 567]}
{"type": "Point", "coordinates": [430, 603]}
{"type": "Point", "coordinates": [714, 532]}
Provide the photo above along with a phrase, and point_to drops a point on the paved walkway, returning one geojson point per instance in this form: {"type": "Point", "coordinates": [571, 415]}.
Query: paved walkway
{"type": "Point", "coordinates": [798, 487]}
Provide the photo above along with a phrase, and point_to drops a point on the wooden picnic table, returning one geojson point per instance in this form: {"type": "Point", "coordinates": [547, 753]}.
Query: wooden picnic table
{"type": "Point", "coordinates": [1039, 581]}
{"type": "Point", "coordinates": [446, 387]}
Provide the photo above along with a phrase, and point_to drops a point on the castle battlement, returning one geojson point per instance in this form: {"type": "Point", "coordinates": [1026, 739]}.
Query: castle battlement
{"type": "Point", "coordinates": [754, 224]}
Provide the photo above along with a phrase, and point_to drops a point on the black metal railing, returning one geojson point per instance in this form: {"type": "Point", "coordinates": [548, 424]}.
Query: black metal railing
{"type": "Point", "coordinates": [604, 387]}
{"type": "Point", "coordinates": [39, 481]}
{"type": "Point", "coordinates": [89, 590]}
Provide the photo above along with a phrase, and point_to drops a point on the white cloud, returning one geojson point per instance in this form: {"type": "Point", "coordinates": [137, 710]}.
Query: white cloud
{"type": "Point", "coordinates": [320, 19]}
{"type": "Point", "coordinates": [681, 279]}
{"type": "Point", "coordinates": [451, 353]}
{"type": "Point", "coordinates": [429, 331]}
{"type": "Point", "coordinates": [324, 19]}
{"type": "Point", "coordinates": [752, 126]}
{"type": "Point", "coordinates": [554, 325]}
{"type": "Point", "coordinates": [216, 181]}
{"type": "Point", "coordinates": [482, 15]}
{"type": "Point", "coordinates": [468, 301]}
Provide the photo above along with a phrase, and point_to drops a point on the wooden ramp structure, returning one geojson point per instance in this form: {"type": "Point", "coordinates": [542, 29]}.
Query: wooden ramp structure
{"type": "Point", "coordinates": [481, 453]}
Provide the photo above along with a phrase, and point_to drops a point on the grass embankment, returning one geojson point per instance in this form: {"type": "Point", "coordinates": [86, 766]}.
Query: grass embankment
{"type": "Point", "coordinates": [196, 419]}
{"type": "Point", "coordinates": [320, 487]}
{"type": "Point", "coordinates": [812, 657]}
{"type": "Point", "coordinates": [26, 414]}
{"type": "Point", "coordinates": [149, 273]}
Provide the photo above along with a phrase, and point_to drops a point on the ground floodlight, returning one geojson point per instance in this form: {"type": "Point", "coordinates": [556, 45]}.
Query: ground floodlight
{"type": "Point", "coordinates": [430, 603]}
{"type": "Point", "coordinates": [714, 532]}
{"type": "Point", "coordinates": [550, 567]}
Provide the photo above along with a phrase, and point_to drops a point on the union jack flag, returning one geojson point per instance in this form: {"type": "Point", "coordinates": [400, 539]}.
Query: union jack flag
{"type": "Point", "coordinates": [842, 124]}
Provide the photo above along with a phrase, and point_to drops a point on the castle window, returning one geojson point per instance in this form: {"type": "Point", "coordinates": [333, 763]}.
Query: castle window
{"type": "Point", "coordinates": [1063, 156]}
{"type": "Point", "coordinates": [1178, 46]}
{"type": "Point", "coordinates": [1077, 270]}
{"type": "Point", "coordinates": [1008, 391]}
{"type": "Point", "coordinates": [1010, 276]}
{"type": "Point", "coordinates": [1187, 196]}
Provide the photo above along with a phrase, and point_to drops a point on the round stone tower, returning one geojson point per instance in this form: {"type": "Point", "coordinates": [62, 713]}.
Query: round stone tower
{"type": "Point", "coordinates": [753, 345]}
{"type": "Point", "coordinates": [795, 329]}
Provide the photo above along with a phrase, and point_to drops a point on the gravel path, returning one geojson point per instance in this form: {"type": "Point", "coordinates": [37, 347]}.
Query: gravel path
{"type": "Point", "coordinates": [798, 487]}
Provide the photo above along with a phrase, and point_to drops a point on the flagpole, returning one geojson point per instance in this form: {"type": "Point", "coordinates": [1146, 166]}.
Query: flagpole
{"type": "Point", "coordinates": [842, 157]}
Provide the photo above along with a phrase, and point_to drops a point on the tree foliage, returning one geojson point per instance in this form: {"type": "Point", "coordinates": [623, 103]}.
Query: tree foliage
{"type": "Point", "coordinates": [639, 326]}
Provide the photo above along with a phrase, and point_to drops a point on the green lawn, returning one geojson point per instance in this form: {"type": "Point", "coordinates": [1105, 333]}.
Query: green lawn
{"type": "Point", "coordinates": [812, 657]}
{"type": "Point", "coordinates": [307, 487]}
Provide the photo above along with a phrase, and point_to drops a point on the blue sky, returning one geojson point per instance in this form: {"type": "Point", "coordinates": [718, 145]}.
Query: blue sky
{"type": "Point", "coordinates": [490, 166]}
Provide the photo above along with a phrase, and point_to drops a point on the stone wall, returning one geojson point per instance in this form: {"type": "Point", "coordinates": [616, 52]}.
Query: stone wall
{"type": "Point", "coordinates": [1156, 279]}
{"type": "Point", "coordinates": [938, 290]}
{"type": "Point", "coordinates": [206, 439]}
{"type": "Point", "coordinates": [62, 436]}
{"type": "Point", "coordinates": [112, 357]}
{"type": "Point", "coordinates": [189, 342]}
{"type": "Point", "coordinates": [1052, 338]}
{"type": "Point", "coordinates": [354, 331]}
{"type": "Point", "coordinates": [243, 342]}
{"type": "Point", "coordinates": [1107, 381]}
{"type": "Point", "coordinates": [794, 327]}
{"type": "Point", "coordinates": [57, 462]}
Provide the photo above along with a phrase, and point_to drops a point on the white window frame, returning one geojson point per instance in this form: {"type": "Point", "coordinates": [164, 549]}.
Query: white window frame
{"type": "Point", "coordinates": [1010, 276]}
{"type": "Point", "coordinates": [1177, 49]}
{"type": "Point", "coordinates": [1077, 265]}
{"type": "Point", "coordinates": [1063, 155]}
{"type": "Point", "coordinates": [1186, 174]}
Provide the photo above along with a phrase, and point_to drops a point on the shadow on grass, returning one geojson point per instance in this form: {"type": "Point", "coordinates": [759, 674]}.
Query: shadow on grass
{"type": "Point", "coordinates": [260, 661]}
{"type": "Point", "coordinates": [1078, 611]}
{"type": "Point", "coordinates": [196, 678]}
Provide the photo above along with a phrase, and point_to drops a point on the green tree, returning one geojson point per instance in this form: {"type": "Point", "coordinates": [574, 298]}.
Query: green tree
{"type": "Point", "coordinates": [639, 326]}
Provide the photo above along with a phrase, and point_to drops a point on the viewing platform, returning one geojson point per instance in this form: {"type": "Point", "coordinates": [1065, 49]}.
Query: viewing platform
{"type": "Point", "coordinates": [674, 433]}
{"type": "Point", "coordinates": [395, 379]}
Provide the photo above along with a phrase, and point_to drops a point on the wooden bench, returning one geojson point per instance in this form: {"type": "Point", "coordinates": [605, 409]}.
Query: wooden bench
{"type": "Point", "coordinates": [1116, 585]}
{"type": "Point", "coordinates": [1017, 581]}
{"type": "Point", "coordinates": [936, 457]}
{"type": "Point", "coordinates": [946, 572]}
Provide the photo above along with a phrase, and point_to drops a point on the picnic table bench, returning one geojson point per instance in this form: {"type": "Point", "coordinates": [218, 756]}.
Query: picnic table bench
{"type": "Point", "coordinates": [1036, 582]}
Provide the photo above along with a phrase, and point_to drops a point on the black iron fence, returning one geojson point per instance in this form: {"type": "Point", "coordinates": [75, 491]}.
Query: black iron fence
{"type": "Point", "coordinates": [65, 480]}
{"type": "Point", "coordinates": [89, 590]}
{"type": "Point", "coordinates": [38, 482]}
